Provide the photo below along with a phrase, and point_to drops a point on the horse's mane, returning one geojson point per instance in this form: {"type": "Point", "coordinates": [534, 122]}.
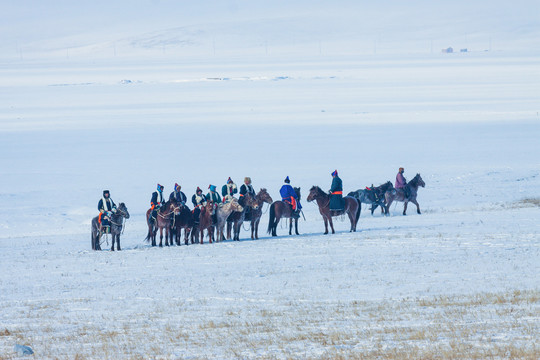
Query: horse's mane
{"type": "Point", "coordinates": [320, 192]}
{"type": "Point", "coordinates": [414, 181]}
{"type": "Point", "coordinates": [297, 191]}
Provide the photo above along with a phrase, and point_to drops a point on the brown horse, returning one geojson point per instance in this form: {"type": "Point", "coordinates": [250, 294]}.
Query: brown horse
{"type": "Point", "coordinates": [280, 209]}
{"type": "Point", "coordinates": [352, 208]}
{"type": "Point", "coordinates": [256, 213]}
{"type": "Point", "coordinates": [183, 220]}
{"type": "Point", "coordinates": [252, 212]}
{"type": "Point", "coordinates": [399, 194]}
{"type": "Point", "coordinates": [205, 223]}
{"type": "Point", "coordinates": [117, 224]}
{"type": "Point", "coordinates": [162, 221]}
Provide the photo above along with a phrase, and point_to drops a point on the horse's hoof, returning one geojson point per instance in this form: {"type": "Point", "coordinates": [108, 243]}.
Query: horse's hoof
{"type": "Point", "coordinates": [325, 233]}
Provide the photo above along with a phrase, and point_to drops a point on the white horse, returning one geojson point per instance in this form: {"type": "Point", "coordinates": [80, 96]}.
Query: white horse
{"type": "Point", "coordinates": [222, 213]}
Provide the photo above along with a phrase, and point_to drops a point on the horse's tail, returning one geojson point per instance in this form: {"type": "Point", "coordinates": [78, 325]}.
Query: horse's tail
{"type": "Point", "coordinates": [150, 234]}
{"type": "Point", "coordinates": [359, 210]}
{"type": "Point", "coordinates": [272, 218]}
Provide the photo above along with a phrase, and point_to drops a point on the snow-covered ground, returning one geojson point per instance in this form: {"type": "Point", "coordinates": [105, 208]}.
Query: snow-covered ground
{"type": "Point", "coordinates": [124, 113]}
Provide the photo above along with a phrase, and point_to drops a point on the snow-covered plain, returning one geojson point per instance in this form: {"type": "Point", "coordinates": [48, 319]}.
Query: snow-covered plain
{"type": "Point", "coordinates": [458, 281]}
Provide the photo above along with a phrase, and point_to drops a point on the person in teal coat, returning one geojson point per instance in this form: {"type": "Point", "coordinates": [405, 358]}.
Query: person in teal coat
{"type": "Point", "coordinates": [336, 193]}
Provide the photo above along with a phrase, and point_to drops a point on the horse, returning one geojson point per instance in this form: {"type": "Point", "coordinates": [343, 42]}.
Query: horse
{"type": "Point", "coordinates": [182, 220]}
{"type": "Point", "coordinates": [352, 208]}
{"type": "Point", "coordinates": [117, 223]}
{"type": "Point", "coordinates": [205, 222]}
{"type": "Point", "coordinates": [223, 211]}
{"type": "Point", "coordinates": [256, 213]}
{"type": "Point", "coordinates": [280, 209]}
{"type": "Point", "coordinates": [399, 195]}
{"type": "Point", "coordinates": [237, 218]}
{"type": "Point", "coordinates": [162, 221]}
{"type": "Point", "coordinates": [374, 196]}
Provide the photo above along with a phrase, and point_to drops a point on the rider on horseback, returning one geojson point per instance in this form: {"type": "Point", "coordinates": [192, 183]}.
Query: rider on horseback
{"type": "Point", "coordinates": [401, 182]}
{"type": "Point", "coordinates": [246, 188]}
{"type": "Point", "coordinates": [106, 206]}
{"type": "Point", "coordinates": [228, 190]}
{"type": "Point", "coordinates": [156, 202]}
{"type": "Point", "coordinates": [336, 193]}
{"type": "Point", "coordinates": [178, 195]}
{"type": "Point", "coordinates": [198, 200]}
{"type": "Point", "coordinates": [289, 196]}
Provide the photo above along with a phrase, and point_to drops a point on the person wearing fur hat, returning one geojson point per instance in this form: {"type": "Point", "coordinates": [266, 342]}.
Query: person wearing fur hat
{"type": "Point", "coordinates": [228, 190]}
{"type": "Point", "coordinates": [106, 206]}
{"type": "Point", "coordinates": [246, 188]}
{"type": "Point", "coordinates": [289, 196]}
{"type": "Point", "coordinates": [401, 182]}
{"type": "Point", "coordinates": [156, 202]}
{"type": "Point", "coordinates": [178, 196]}
{"type": "Point", "coordinates": [336, 193]}
{"type": "Point", "coordinates": [198, 200]}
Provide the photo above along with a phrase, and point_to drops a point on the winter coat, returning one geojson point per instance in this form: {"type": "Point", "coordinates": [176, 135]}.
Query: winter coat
{"type": "Point", "coordinates": [244, 189]}
{"type": "Point", "coordinates": [287, 192]}
{"type": "Point", "coordinates": [179, 197]}
{"type": "Point", "coordinates": [336, 198]}
{"type": "Point", "coordinates": [109, 205]}
{"type": "Point", "coordinates": [198, 200]}
{"type": "Point", "coordinates": [229, 189]}
{"type": "Point", "coordinates": [400, 181]}
{"type": "Point", "coordinates": [157, 199]}
{"type": "Point", "coordinates": [213, 196]}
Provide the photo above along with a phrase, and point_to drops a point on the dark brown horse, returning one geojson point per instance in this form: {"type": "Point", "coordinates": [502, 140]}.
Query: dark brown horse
{"type": "Point", "coordinates": [205, 223]}
{"type": "Point", "coordinates": [374, 196]}
{"type": "Point", "coordinates": [237, 218]}
{"type": "Point", "coordinates": [183, 220]}
{"type": "Point", "coordinates": [399, 195]}
{"type": "Point", "coordinates": [255, 216]}
{"type": "Point", "coordinates": [117, 224]}
{"type": "Point", "coordinates": [280, 209]}
{"type": "Point", "coordinates": [352, 208]}
{"type": "Point", "coordinates": [162, 221]}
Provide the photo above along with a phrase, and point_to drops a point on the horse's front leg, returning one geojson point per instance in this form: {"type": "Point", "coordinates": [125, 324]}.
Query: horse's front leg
{"type": "Point", "coordinates": [417, 206]}
{"type": "Point", "coordinates": [405, 207]}
{"type": "Point", "coordinates": [118, 242]}
{"type": "Point", "coordinates": [113, 238]}
{"type": "Point", "coordinates": [290, 226]}
{"type": "Point", "coordinates": [229, 227]}
{"type": "Point", "coordinates": [325, 225]}
{"type": "Point", "coordinates": [331, 224]}
{"type": "Point", "coordinates": [296, 226]}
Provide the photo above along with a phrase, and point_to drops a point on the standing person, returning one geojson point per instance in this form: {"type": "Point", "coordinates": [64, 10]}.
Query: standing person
{"type": "Point", "coordinates": [228, 190]}
{"type": "Point", "coordinates": [106, 206]}
{"type": "Point", "coordinates": [401, 182]}
{"type": "Point", "coordinates": [156, 202]}
{"type": "Point", "coordinates": [178, 195]}
{"type": "Point", "coordinates": [246, 188]}
{"type": "Point", "coordinates": [336, 193]}
{"type": "Point", "coordinates": [288, 195]}
{"type": "Point", "coordinates": [198, 200]}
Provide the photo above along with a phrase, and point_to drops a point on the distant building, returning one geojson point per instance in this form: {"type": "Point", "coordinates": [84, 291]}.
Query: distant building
{"type": "Point", "coordinates": [448, 50]}
{"type": "Point", "coordinates": [463, 50]}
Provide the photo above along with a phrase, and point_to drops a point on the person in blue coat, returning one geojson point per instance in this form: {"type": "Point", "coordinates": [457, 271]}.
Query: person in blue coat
{"type": "Point", "coordinates": [336, 193]}
{"type": "Point", "coordinates": [289, 196]}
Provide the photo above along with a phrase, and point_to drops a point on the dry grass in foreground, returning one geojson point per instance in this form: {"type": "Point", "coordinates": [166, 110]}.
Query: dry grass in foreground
{"type": "Point", "coordinates": [480, 326]}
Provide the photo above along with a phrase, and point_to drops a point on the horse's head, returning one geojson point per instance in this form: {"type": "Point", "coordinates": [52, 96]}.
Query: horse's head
{"type": "Point", "coordinates": [250, 201]}
{"type": "Point", "coordinates": [313, 193]}
{"type": "Point", "coordinates": [265, 196]}
{"type": "Point", "coordinates": [297, 191]}
{"type": "Point", "coordinates": [122, 209]}
{"type": "Point", "coordinates": [418, 179]}
{"type": "Point", "coordinates": [172, 207]}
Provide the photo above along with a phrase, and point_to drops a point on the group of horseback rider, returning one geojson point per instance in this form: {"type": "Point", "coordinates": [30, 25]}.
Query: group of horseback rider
{"type": "Point", "coordinates": [107, 207]}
